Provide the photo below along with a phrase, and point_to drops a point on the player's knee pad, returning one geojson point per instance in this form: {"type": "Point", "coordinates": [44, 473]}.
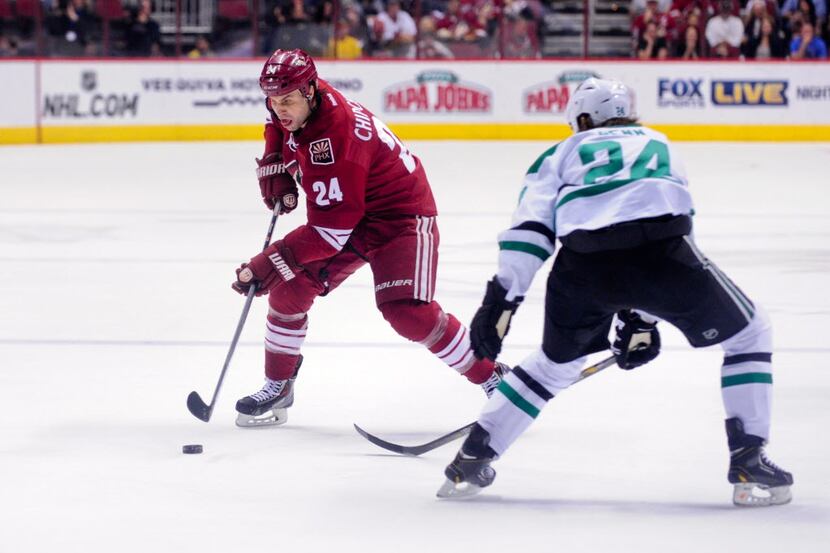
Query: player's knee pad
{"type": "Point", "coordinates": [412, 319]}
{"type": "Point", "coordinates": [293, 296]}
{"type": "Point", "coordinates": [756, 337]}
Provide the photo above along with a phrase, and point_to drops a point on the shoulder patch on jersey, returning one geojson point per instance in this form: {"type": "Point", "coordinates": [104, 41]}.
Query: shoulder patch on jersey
{"type": "Point", "coordinates": [321, 152]}
{"type": "Point", "coordinates": [539, 160]}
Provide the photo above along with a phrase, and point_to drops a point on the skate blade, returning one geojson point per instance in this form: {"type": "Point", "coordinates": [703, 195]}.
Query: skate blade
{"type": "Point", "coordinates": [756, 495]}
{"type": "Point", "coordinates": [451, 490]}
{"type": "Point", "coordinates": [274, 417]}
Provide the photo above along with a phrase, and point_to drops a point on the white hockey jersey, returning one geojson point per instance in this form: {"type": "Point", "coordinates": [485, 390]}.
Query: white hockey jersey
{"type": "Point", "coordinates": [592, 180]}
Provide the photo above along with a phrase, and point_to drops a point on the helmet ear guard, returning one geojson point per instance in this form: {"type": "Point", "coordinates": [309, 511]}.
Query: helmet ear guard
{"type": "Point", "coordinates": [600, 100]}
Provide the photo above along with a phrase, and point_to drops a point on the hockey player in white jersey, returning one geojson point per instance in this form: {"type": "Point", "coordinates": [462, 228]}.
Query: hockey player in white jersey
{"type": "Point", "coordinates": [615, 194]}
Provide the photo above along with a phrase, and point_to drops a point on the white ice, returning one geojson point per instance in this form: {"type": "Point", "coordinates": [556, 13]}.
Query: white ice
{"type": "Point", "coordinates": [115, 303]}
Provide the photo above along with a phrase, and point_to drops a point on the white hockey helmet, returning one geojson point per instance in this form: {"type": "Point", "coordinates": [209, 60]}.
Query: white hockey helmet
{"type": "Point", "coordinates": [601, 99]}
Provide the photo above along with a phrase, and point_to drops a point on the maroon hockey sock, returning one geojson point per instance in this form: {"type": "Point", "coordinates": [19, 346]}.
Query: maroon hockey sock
{"type": "Point", "coordinates": [452, 346]}
{"type": "Point", "coordinates": [441, 333]}
{"type": "Point", "coordinates": [283, 340]}
{"type": "Point", "coordinates": [480, 370]}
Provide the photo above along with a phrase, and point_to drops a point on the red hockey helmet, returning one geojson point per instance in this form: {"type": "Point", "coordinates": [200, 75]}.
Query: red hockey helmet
{"type": "Point", "coordinates": [286, 71]}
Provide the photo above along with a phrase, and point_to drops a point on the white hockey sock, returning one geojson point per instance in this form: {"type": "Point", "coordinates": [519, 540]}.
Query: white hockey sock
{"type": "Point", "coordinates": [522, 394]}
{"type": "Point", "coordinates": [746, 375]}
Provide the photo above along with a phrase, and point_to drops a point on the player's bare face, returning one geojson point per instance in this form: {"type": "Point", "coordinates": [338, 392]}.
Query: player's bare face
{"type": "Point", "coordinates": [292, 109]}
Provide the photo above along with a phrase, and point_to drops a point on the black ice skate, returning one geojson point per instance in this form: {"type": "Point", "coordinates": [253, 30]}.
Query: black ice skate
{"type": "Point", "coordinates": [751, 472]}
{"type": "Point", "coordinates": [470, 470]}
{"type": "Point", "coordinates": [269, 406]}
{"type": "Point", "coordinates": [489, 386]}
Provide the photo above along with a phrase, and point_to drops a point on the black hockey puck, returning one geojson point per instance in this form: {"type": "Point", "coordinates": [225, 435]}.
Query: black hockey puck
{"type": "Point", "coordinates": [192, 448]}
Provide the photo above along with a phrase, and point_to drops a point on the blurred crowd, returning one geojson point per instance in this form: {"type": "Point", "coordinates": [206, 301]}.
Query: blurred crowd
{"type": "Point", "coordinates": [728, 29]}
{"type": "Point", "coordinates": [424, 29]}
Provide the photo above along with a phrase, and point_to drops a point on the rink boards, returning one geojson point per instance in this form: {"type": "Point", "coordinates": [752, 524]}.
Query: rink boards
{"type": "Point", "coordinates": [105, 100]}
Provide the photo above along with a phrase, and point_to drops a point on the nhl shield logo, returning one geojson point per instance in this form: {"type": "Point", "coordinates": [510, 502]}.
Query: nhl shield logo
{"type": "Point", "coordinates": [321, 152]}
{"type": "Point", "coordinates": [711, 334]}
{"type": "Point", "coordinates": [89, 81]}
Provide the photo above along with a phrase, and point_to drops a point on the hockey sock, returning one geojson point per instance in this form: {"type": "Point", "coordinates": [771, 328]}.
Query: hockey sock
{"type": "Point", "coordinates": [450, 342]}
{"type": "Point", "coordinates": [522, 395]}
{"type": "Point", "coordinates": [746, 375]}
{"type": "Point", "coordinates": [441, 333]}
{"type": "Point", "coordinates": [512, 408]}
{"type": "Point", "coordinates": [284, 335]}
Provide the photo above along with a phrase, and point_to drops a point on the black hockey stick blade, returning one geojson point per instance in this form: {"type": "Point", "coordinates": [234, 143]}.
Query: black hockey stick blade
{"type": "Point", "coordinates": [198, 407]}
{"type": "Point", "coordinates": [415, 450]}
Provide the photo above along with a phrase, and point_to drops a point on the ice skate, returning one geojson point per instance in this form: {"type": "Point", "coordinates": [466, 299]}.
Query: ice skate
{"type": "Point", "coordinates": [489, 386]}
{"type": "Point", "coordinates": [470, 471]}
{"type": "Point", "coordinates": [269, 406]}
{"type": "Point", "coordinates": [758, 481]}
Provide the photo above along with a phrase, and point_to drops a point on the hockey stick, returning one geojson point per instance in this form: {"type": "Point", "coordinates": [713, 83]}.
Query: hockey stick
{"type": "Point", "coordinates": [416, 450]}
{"type": "Point", "coordinates": [195, 403]}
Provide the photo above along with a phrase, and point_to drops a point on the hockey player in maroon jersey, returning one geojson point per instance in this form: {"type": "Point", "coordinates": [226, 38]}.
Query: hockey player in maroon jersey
{"type": "Point", "coordinates": [368, 201]}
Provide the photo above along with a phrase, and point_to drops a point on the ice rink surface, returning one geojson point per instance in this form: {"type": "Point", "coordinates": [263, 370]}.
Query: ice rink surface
{"type": "Point", "coordinates": [115, 303]}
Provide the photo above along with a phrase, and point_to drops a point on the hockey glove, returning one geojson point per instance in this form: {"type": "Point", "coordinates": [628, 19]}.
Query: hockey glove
{"type": "Point", "coordinates": [636, 342]}
{"type": "Point", "coordinates": [492, 321]}
{"type": "Point", "coordinates": [275, 184]}
{"type": "Point", "coordinates": [266, 270]}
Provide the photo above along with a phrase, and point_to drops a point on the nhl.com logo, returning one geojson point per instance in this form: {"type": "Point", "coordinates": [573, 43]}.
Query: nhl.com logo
{"type": "Point", "coordinates": [89, 81]}
{"type": "Point", "coordinates": [437, 91]}
{"type": "Point", "coordinates": [552, 96]}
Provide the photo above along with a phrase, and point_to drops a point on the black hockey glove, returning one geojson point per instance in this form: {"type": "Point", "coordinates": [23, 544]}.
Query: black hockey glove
{"type": "Point", "coordinates": [637, 342]}
{"type": "Point", "coordinates": [492, 321]}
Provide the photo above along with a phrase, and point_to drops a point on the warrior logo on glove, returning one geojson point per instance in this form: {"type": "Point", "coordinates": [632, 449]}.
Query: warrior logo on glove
{"type": "Point", "coordinates": [274, 265]}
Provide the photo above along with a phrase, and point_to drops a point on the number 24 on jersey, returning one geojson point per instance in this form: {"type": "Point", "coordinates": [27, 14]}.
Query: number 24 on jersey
{"type": "Point", "coordinates": [327, 193]}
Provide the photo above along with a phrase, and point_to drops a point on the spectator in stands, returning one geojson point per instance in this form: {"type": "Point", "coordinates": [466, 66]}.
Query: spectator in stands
{"type": "Point", "coordinates": [807, 45]}
{"type": "Point", "coordinates": [652, 13]}
{"type": "Point", "coordinates": [520, 41]}
{"type": "Point", "coordinates": [814, 11]}
{"type": "Point", "coordinates": [201, 49]}
{"type": "Point", "coordinates": [342, 45]}
{"type": "Point", "coordinates": [805, 11]}
{"type": "Point", "coordinates": [752, 7]}
{"type": "Point", "coordinates": [369, 8]}
{"type": "Point", "coordinates": [640, 6]}
{"type": "Point", "coordinates": [691, 19]}
{"type": "Point", "coordinates": [756, 12]}
{"type": "Point", "coordinates": [72, 28]}
{"type": "Point", "coordinates": [8, 46]}
{"type": "Point", "coordinates": [429, 47]}
{"type": "Point", "coordinates": [459, 22]}
{"type": "Point", "coordinates": [295, 12]}
{"type": "Point", "coordinates": [772, 45]}
{"type": "Point", "coordinates": [395, 31]}
{"type": "Point", "coordinates": [681, 9]}
{"type": "Point", "coordinates": [352, 12]}
{"type": "Point", "coordinates": [143, 32]}
{"type": "Point", "coordinates": [689, 48]}
{"type": "Point", "coordinates": [532, 10]}
{"type": "Point", "coordinates": [652, 43]}
{"type": "Point", "coordinates": [769, 43]}
{"type": "Point", "coordinates": [324, 12]}
{"type": "Point", "coordinates": [724, 32]}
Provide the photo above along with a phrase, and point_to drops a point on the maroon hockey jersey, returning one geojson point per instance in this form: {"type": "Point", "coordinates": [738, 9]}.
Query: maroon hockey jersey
{"type": "Point", "coordinates": [351, 167]}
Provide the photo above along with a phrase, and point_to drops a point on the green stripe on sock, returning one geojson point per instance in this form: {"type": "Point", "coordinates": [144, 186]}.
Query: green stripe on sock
{"type": "Point", "coordinates": [746, 378]}
{"type": "Point", "coordinates": [525, 247]}
{"type": "Point", "coordinates": [517, 400]}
